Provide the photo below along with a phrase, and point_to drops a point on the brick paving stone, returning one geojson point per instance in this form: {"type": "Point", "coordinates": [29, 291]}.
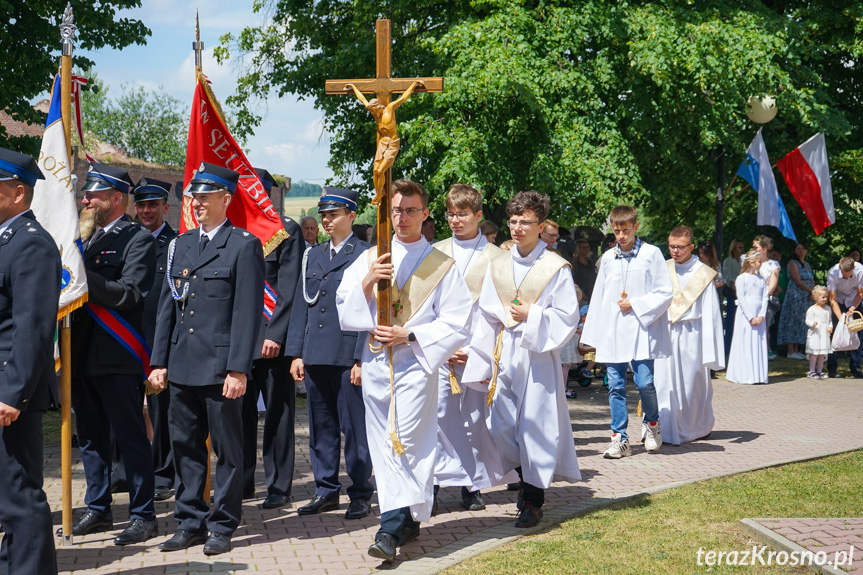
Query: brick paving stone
{"type": "Point", "coordinates": [756, 426]}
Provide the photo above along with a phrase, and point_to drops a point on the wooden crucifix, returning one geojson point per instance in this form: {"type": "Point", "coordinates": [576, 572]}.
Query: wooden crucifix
{"type": "Point", "coordinates": [383, 111]}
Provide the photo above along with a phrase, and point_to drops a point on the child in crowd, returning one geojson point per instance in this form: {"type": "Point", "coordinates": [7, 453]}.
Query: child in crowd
{"type": "Point", "coordinates": [818, 337]}
{"type": "Point", "coordinates": [747, 362]}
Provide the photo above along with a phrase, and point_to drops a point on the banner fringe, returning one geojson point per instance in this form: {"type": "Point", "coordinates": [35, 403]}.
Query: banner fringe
{"type": "Point", "coordinates": [71, 306]}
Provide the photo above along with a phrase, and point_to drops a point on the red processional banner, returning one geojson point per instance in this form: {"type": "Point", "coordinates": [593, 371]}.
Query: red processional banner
{"type": "Point", "coordinates": [210, 141]}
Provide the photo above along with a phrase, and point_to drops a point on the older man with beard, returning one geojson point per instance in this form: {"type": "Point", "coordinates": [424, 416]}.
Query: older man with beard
{"type": "Point", "coordinates": [107, 392]}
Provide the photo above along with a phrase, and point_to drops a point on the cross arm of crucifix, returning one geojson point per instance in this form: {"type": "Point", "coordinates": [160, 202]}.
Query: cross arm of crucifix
{"type": "Point", "coordinates": [382, 86]}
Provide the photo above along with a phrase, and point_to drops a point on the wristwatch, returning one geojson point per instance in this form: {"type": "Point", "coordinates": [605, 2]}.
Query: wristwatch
{"type": "Point", "coordinates": [411, 336]}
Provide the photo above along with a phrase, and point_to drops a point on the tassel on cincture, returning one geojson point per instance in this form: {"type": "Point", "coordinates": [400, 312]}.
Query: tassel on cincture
{"type": "Point", "coordinates": [498, 349]}
{"type": "Point", "coordinates": [453, 382]}
{"type": "Point", "coordinates": [397, 445]}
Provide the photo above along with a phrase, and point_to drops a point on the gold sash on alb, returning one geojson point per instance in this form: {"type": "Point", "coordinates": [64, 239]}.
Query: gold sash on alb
{"type": "Point", "coordinates": [681, 301]}
{"type": "Point", "coordinates": [542, 272]}
{"type": "Point", "coordinates": [419, 286]}
{"type": "Point", "coordinates": [414, 293]}
{"type": "Point", "coordinates": [476, 272]}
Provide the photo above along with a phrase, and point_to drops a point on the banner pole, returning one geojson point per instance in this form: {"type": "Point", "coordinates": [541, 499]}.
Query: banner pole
{"type": "Point", "coordinates": [67, 34]}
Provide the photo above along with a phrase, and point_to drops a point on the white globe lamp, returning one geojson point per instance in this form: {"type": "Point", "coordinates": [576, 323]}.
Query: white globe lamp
{"type": "Point", "coordinates": [761, 109]}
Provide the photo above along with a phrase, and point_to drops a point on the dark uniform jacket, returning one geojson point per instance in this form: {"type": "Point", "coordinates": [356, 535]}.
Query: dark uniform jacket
{"type": "Point", "coordinates": [29, 296]}
{"type": "Point", "coordinates": [315, 333]}
{"type": "Point", "coordinates": [151, 301]}
{"type": "Point", "coordinates": [215, 331]}
{"type": "Point", "coordinates": [120, 269]}
{"type": "Point", "coordinates": [282, 270]}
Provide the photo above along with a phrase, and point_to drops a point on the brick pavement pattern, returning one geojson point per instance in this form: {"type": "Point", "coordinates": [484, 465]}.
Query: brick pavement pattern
{"type": "Point", "coordinates": [756, 426]}
{"type": "Point", "coordinates": [841, 539]}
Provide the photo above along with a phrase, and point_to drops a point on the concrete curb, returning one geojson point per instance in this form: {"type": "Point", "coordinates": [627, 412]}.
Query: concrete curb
{"type": "Point", "coordinates": [494, 537]}
{"type": "Point", "coordinates": [770, 537]}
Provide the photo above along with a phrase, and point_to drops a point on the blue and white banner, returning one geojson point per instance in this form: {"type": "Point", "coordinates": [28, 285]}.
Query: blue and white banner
{"type": "Point", "coordinates": [55, 207]}
{"type": "Point", "coordinates": [756, 170]}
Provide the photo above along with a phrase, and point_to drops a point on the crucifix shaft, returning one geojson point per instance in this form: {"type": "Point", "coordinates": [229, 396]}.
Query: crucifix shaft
{"type": "Point", "coordinates": [383, 111]}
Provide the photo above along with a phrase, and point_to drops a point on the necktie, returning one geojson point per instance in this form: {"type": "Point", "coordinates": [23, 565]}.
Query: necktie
{"type": "Point", "coordinates": [332, 254]}
{"type": "Point", "coordinates": [204, 241]}
{"type": "Point", "coordinates": [96, 237]}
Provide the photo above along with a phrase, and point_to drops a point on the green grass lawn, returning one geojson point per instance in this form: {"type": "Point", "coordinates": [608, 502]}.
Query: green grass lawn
{"type": "Point", "coordinates": [295, 206]}
{"type": "Point", "coordinates": [662, 533]}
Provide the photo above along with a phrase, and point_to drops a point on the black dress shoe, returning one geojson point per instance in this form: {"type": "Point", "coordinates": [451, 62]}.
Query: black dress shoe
{"type": "Point", "coordinates": [217, 543]}
{"type": "Point", "coordinates": [92, 522]}
{"type": "Point", "coordinates": [274, 501]}
{"type": "Point", "coordinates": [162, 493]}
{"type": "Point", "coordinates": [358, 508]}
{"type": "Point", "coordinates": [137, 531]}
{"type": "Point", "coordinates": [857, 374]}
{"type": "Point", "coordinates": [513, 486]}
{"type": "Point", "coordinates": [832, 375]}
{"type": "Point", "coordinates": [183, 539]}
{"type": "Point", "coordinates": [529, 516]}
{"type": "Point", "coordinates": [384, 547]}
{"type": "Point", "coordinates": [472, 500]}
{"type": "Point", "coordinates": [319, 504]}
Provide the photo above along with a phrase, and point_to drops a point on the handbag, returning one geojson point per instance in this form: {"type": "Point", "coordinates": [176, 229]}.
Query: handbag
{"type": "Point", "coordinates": [855, 324]}
{"type": "Point", "coordinates": [843, 339]}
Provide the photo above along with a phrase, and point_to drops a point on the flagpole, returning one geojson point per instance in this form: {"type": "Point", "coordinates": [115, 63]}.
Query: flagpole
{"type": "Point", "coordinates": [198, 47]}
{"type": "Point", "coordinates": [67, 34]}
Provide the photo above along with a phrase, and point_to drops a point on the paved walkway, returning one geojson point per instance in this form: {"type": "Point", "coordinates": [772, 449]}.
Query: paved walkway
{"type": "Point", "coordinates": [756, 426]}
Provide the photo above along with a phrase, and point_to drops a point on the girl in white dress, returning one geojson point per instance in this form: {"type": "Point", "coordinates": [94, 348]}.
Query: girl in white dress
{"type": "Point", "coordinates": [820, 328]}
{"type": "Point", "coordinates": [747, 362]}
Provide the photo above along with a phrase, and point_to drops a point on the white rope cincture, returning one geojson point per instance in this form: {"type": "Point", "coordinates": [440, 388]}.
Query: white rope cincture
{"type": "Point", "coordinates": [168, 268]}
{"type": "Point", "coordinates": [309, 300]}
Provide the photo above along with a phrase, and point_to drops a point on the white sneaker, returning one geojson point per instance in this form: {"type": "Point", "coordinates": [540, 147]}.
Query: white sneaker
{"type": "Point", "coordinates": [652, 436]}
{"type": "Point", "coordinates": [619, 448]}
{"type": "Point", "coordinates": [770, 355]}
{"type": "Point", "coordinates": [796, 355]}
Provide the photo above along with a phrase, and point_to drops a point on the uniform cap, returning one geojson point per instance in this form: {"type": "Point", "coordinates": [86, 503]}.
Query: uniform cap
{"type": "Point", "coordinates": [212, 178]}
{"type": "Point", "coordinates": [15, 166]}
{"type": "Point", "coordinates": [337, 198]}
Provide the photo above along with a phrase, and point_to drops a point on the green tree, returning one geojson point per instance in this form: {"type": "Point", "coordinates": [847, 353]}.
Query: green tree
{"type": "Point", "coordinates": [149, 125]}
{"type": "Point", "coordinates": [592, 102]}
{"type": "Point", "coordinates": [30, 54]}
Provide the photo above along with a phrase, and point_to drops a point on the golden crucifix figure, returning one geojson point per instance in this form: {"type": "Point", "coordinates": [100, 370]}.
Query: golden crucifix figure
{"type": "Point", "coordinates": [388, 139]}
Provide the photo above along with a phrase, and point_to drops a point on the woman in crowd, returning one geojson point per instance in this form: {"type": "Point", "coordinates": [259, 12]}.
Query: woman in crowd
{"type": "Point", "coordinates": [792, 329]}
{"type": "Point", "coordinates": [707, 256]}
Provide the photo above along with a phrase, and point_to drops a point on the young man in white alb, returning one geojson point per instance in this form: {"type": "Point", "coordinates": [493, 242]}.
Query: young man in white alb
{"type": "Point", "coordinates": [627, 323]}
{"type": "Point", "coordinates": [467, 454]}
{"type": "Point", "coordinates": [528, 310]}
{"type": "Point", "coordinates": [430, 308]}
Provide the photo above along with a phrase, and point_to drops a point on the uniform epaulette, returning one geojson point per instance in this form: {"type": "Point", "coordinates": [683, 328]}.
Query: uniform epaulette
{"type": "Point", "coordinates": [192, 231]}
{"type": "Point", "coordinates": [244, 234]}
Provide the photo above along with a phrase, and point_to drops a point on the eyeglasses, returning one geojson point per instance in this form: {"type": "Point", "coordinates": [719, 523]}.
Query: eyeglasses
{"type": "Point", "coordinates": [409, 212]}
{"type": "Point", "coordinates": [672, 248]}
{"type": "Point", "coordinates": [521, 223]}
{"type": "Point", "coordinates": [551, 235]}
{"type": "Point", "coordinates": [460, 216]}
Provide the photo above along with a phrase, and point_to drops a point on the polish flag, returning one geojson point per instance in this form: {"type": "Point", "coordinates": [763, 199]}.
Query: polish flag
{"type": "Point", "coordinates": [808, 177]}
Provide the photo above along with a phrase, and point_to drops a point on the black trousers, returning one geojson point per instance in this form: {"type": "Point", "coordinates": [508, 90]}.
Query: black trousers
{"type": "Point", "coordinates": [25, 517]}
{"type": "Point", "coordinates": [335, 407]}
{"type": "Point", "coordinates": [195, 412]}
{"type": "Point", "coordinates": [531, 493]}
{"type": "Point", "coordinates": [272, 378]}
{"type": "Point", "coordinates": [163, 457]}
{"type": "Point", "coordinates": [113, 403]}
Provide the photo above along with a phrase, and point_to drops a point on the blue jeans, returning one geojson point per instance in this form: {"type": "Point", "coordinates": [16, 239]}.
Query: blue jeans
{"type": "Point", "coordinates": [643, 376]}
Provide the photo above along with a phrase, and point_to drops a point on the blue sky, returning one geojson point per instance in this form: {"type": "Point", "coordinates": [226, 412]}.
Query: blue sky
{"type": "Point", "coordinates": [290, 140]}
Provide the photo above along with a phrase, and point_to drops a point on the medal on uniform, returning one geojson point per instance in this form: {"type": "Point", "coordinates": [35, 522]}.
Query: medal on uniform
{"type": "Point", "coordinates": [96, 261]}
{"type": "Point", "coordinates": [185, 272]}
{"type": "Point", "coordinates": [397, 308]}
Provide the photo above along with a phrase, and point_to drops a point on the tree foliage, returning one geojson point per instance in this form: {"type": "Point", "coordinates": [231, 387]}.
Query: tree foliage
{"type": "Point", "coordinates": [30, 53]}
{"type": "Point", "coordinates": [149, 125]}
{"type": "Point", "coordinates": [593, 102]}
